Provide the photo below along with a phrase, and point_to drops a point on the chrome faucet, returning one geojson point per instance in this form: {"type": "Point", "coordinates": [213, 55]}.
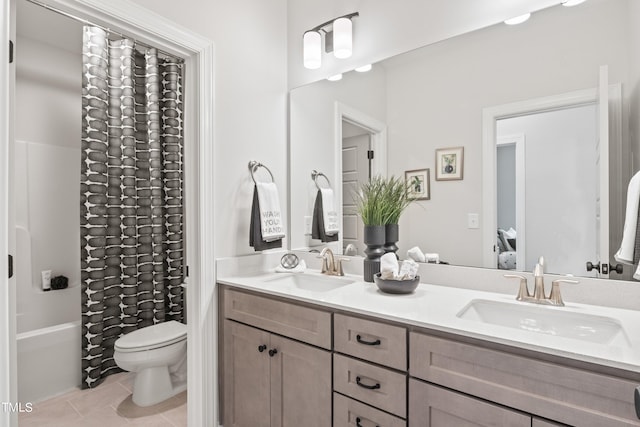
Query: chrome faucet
{"type": "Point", "coordinates": [331, 265]}
{"type": "Point", "coordinates": [539, 295]}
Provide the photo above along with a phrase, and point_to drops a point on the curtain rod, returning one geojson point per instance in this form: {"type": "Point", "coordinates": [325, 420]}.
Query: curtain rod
{"type": "Point", "coordinates": [108, 30]}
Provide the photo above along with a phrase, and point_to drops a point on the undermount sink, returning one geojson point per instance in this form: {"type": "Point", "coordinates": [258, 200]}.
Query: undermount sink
{"type": "Point", "coordinates": [308, 282]}
{"type": "Point", "coordinates": [547, 320]}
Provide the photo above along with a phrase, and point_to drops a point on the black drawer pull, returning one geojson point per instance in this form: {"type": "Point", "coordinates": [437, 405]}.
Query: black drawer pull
{"type": "Point", "coordinates": [262, 348]}
{"type": "Point", "coordinates": [360, 425]}
{"type": "Point", "coordinates": [273, 352]}
{"type": "Point", "coordinates": [368, 387]}
{"type": "Point", "coordinates": [361, 341]}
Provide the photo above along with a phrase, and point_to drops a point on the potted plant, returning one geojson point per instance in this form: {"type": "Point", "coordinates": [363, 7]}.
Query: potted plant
{"type": "Point", "coordinates": [371, 206]}
{"type": "Point", "coordinates": [380, 203]}
{"type": "Point", "coordinates": [397, 198]}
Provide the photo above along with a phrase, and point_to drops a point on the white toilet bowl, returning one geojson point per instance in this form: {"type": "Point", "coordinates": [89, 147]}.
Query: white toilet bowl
{"type": "Point", "coordinates": [158, 356]}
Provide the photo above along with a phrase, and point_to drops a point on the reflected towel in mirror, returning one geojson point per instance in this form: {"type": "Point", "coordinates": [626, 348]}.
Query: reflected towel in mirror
{"type": "Point", "coordinates": [325, 218]}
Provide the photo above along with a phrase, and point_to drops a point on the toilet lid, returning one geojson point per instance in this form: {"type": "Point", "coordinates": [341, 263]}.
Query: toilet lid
{"type": "Point", "coordinates": [158, 335]}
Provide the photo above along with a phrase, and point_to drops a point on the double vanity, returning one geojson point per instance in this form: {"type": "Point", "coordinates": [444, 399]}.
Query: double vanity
{"type": "Point", "coordinates": [309, 349]}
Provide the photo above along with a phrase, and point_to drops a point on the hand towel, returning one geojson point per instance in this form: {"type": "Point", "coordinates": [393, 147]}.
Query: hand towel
{"type": "Point", "coordinates": [432, 258]}
{"type": "Point", "coordinates": [389, 267]}
{"type": "Point", "coordinates": [324, 225]}
{"type": "Point", "coordinates": [416, 254]}
{"type": "Point", "coordinates": [256, 238]}
{"type": "Point", "coordinates": [630, 230]}
{"type": "Point", "coordinates": [408, 270]}
{"type": "Point", "coordinates": [270, 215]}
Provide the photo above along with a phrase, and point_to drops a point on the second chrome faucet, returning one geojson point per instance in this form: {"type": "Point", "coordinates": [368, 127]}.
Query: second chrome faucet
{"type": "Point", "coordinates": [539, 294]}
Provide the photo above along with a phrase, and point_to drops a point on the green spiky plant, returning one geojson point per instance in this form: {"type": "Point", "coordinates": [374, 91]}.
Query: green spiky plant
{"type": "Point", "coordinates": [381, 201]}
{"type": "Point", "coordinates": [397, 199]}
{"type": "Point", "coordinates": [370, 201]}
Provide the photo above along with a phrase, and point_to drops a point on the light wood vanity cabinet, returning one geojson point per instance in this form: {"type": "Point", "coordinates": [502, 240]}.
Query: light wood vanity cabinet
{"type": "Point", "coordinates": [556, 392]}
{"type": "Point", "coordinates": [334, 369]}
{"type": "Point", "coordinates": [270, 380]}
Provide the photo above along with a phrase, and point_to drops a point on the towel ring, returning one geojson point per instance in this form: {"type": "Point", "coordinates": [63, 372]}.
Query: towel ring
{"type": "Point", "coordinates": [315, 174]}
{"type": "Point", "coordinates": [253, 167]}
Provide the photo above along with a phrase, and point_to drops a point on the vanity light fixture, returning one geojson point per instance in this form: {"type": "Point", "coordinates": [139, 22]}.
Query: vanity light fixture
{"type": "Point", "coordinates": [338, 38]}
{"type": "Point", "coordinates": [518, 19]}
{"type": "Point", "coordinates": [364, 68]}
{"type": "Point", "coordinates": [335, 78]}
{"type": "Point", "coordinates": [569, 3]}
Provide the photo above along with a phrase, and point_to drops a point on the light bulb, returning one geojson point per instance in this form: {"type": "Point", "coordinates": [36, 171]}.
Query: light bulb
{"type": "Point", "coordinates": [570, 3]}
{"type": "Point", "coordinates": [312, 50]}
{"type": "Point", "coordinates": [518, 19]}
{"type": "Point", "coordinates": [342, 38]}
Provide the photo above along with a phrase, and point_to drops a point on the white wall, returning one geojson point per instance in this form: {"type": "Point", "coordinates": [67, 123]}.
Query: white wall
{"type": "Point", "coordinates": [386, 28]}
{"type": "Point", "coordinates": [47, 171]}
{"type": "Point", "coordinates": [250, 102]}
{"type": "Point", "coordinates": [438, 101]}
{"type": "Point", "coordinates": [312, 135]}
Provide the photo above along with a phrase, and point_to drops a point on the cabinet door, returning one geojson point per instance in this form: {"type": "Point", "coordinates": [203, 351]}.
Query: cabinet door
{"type": "Point", "coordinates": [300, 385]}
{"type": "Point", "coordinates": [433, 406]}
{"type": "Point", "coordinates": [246, 376]}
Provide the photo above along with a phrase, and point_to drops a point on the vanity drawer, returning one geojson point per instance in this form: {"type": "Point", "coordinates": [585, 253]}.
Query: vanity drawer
{"type": "Point", "coordinates": [566, 394]}
{"type": "Point", "coordinates": [291, 320]}
{"type": "Point", "coordinates": [379, 387]}
{"type": "Point", "coordinates": [351, 413]}
{"type": "Point", "coordinates": [433, 406]}
{"type": "Point", "coordinates": [370, 340]}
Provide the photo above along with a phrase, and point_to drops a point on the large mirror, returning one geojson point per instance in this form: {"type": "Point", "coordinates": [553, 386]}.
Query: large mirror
{"type": "Point", "coordinates": [505, 83]}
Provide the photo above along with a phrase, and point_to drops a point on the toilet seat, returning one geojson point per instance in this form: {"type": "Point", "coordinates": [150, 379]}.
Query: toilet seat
{"type": "Point", "coordinates": [152, 337]}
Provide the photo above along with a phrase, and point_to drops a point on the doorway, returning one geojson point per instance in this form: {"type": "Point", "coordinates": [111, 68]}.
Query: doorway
{"type": "Point", "coordinates": [357, 156]}
{"type": "Point", "coordinates": [360, 150]}
{"type": "Point", "coordinates": [129, 18]}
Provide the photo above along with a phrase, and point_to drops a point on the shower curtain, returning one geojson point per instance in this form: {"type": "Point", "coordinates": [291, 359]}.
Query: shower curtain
{"type": "Point", "coordinates": [131, 203]}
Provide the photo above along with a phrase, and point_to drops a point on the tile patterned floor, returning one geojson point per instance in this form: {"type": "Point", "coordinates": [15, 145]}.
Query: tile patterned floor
{"type": "Point", "coordinates": [108, 405]}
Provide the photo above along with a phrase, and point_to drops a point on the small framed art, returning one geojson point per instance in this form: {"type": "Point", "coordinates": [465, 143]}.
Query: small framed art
{"type": "Point", "coordinates": [418, 184]}
{"type": "Point", "coordinates": [449, 163]}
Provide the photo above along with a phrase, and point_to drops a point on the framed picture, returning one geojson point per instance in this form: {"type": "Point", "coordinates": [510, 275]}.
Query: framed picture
{"type": "Point", "coordinates": [418, 184]}
{"type": "Point", "coordinates": [449, 163]}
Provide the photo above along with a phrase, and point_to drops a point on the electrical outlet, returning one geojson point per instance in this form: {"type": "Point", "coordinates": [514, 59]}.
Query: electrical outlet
{"type": "Point", "coordinates": [473, 220]}
{"type": "Point", "coordinates": [307, 225]}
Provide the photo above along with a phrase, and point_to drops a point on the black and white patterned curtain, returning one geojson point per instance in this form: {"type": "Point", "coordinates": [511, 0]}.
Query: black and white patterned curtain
{"type": "Point", "coordinates": [131, 202]}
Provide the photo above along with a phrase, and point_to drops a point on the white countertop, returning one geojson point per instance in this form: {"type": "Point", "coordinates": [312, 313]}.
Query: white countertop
{"type": "Point", "coordinates": [436, 307]}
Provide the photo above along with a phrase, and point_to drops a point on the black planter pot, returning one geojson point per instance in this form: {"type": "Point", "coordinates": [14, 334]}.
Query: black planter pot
{"type": "Point", "coordinates": [391, 238]}
{"type": "Point", "coordinates": [374, 238]}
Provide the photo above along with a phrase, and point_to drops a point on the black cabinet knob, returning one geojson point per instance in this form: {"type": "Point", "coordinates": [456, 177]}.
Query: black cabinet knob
{"type": "Point", "coordinates": [273, 352]}
{"type": "Point", "coordinates": [262, 348]}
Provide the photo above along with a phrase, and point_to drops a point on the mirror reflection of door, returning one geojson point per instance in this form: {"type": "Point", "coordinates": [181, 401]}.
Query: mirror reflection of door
{"type": "Point", "coordinates": [560, 183]}
{"type": "Point", "coordinates": [356, 170]}
{"type": "Point", "coordinates": [510, 198]}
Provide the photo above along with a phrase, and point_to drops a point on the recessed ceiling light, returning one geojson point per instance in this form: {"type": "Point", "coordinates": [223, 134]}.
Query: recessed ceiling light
{"type": "Point", "coordinates": [518, 19]}
{"type": "Point", "coordinates": [364, 68]}
{"type": "Point", "coordinates": [569, 3]}
{"type": "Point", "coordinates": [335, 78]}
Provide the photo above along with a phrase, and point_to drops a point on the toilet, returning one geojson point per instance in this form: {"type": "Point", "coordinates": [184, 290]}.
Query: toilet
{"type": "Point", "coordinates": [158, 356]}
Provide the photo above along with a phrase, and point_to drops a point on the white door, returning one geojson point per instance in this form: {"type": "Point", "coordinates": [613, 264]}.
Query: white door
{"type": "Point", "coordinates": [602, 163]}
{"type": "Point", "coordinates": [355, 171]}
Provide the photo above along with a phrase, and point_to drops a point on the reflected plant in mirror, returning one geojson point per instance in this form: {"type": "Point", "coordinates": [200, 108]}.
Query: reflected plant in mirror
{"type": "Point", "coordinates": [450, 94]}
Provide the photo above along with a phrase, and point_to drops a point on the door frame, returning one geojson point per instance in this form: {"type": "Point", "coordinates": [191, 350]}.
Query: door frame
{"type": "Point", "coordinates": [149, 27]}
{"type": "Point", "coordinates": [378, 131]}
{"type": "Point", "coordinates": [491, 115]}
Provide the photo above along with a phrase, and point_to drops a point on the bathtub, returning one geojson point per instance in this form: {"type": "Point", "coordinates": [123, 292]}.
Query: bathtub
{"type": "Point", "coordinates": [49, 361]}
